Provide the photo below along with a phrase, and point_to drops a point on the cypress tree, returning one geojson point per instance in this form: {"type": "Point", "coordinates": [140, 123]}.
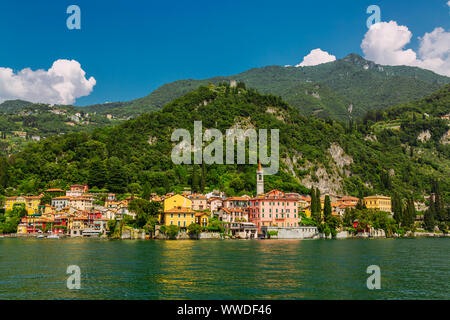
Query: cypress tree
{"type": "Point", "coordinates": [313, 200]}
{"type": "Point", "coordinates": [409, 213]}
{"type": "Point", "coordinates": [203, 177]}
{"type": "Point", "coordinates": [318, 203]}
{"type": "Point", "coordinates": [195, 179]}
{"type": "Point", "coordinates": [315, 214]}
{"type": "Point", "coordinates": [327, 209]}
{"type": "Point", "coordinates": [439, 213]}
{"type": "Point", "coordinates": [397, 208]}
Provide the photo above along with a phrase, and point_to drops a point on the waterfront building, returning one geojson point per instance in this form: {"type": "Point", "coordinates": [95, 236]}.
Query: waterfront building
{"type": "Point", "coordinates": [378, 202]}
{"type": "Point", "coordinates": [233, 214]}
{"type": "Point", "coordinates": [243, 230]}
{"type": "Point", "coordinates": [178, 216]}
{"type": "Point", "coordinates": [78, 225]}
{"type": "Point", "coordinates": [30, 203]}
{"type": "Point", "coordinates": [202, 218]}
{"type": "Point", "coordinates": [274, 209]}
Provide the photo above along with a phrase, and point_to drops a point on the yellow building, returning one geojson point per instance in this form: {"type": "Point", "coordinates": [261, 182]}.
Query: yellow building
{"type": "Point", "coordinates": [307, 211]}
{"type": "Point", "coordinates": [202, 218]}
{"type": "Point", "coordinates": [31, 204]}
{"type": "Point", "coordinates": [22, 228]}
{"type": "Point", "coordinates": [377, 202]}
{"type": "Point", "coordinates": [177, 201]}
{"type": "Point", "coordinates": [180, 217]}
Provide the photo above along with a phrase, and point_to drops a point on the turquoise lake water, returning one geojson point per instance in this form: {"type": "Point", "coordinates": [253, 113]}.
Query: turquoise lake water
{"type": "Point", "coordinates": [225, 269]}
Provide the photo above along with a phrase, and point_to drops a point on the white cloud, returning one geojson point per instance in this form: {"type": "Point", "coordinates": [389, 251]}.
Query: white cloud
{"type": "Point", "coordinates": [384, 43]}
{"type": "Point", "coordinates": [316, 57]}
{"type": "Point", "coordinates": [63, 83]}
{"type": "Point", "coordinates": [448, 3]}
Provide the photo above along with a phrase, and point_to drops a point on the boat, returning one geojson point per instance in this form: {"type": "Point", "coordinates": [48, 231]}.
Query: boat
{"type": "Point", "coordinates": [53, 236]}
{"type": "Point", "coordinates": [40, 236]}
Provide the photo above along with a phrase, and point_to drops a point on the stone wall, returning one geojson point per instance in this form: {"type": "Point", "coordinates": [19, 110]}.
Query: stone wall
{"type": "Point", "coordinates": [133, 234]}
{"type": "Point", "coordinates": [209, 235]}
{"type": "Point", "coordinates": [291, 232]}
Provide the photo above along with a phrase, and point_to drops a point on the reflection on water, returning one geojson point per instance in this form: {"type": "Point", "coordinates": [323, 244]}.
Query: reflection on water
{"type": "Point", "coordinates": [267, 269]}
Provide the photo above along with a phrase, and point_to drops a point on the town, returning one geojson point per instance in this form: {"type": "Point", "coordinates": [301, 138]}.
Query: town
{"type": "Point", "coordinates": [275, 214]}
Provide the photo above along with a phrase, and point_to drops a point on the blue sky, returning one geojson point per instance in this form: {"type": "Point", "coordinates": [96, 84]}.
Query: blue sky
{"type": "Point", "coordinates": [133, 47]}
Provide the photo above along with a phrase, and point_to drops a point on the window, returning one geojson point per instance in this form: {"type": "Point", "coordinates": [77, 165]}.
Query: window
{"type": "Point", "coordinates": [178, 223]}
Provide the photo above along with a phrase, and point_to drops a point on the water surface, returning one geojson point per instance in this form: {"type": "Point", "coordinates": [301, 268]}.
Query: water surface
{"type": "Point", "coordinates": [218, 269]}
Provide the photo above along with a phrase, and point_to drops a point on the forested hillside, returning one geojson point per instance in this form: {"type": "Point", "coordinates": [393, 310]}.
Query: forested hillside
{"type": "Point", "coordinates": [22, 122]}
{"type": "Point", "coordinates": [358, 159]}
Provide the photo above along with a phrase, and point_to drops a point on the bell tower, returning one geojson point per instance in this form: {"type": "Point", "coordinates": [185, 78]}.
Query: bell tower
{"type": "Point", "coordinates": [259, 180]}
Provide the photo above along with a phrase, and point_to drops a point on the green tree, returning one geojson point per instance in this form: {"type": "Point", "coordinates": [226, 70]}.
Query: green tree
{"type": "Point", "coordinates": [144, 210]}
{"type": "Point", "coordinates": [134, 188]}
{"type": "Point", "coordinates": [97, 173]}
{"type": "Point", "coordinates": [397, 207]}
{"type": "Point", "coordinates": [194, 229]}
{"type": "Point", "coordinates": [112, 226]}
{"type": "Point", "coordinates": [146, 191]}
{"type": "Point", "coordinates": [327, 209]}
{"type": "Point", "coordinates": [117, 180]}
{"type": "Point", "coordinates": [172, 231]}
{"type": "Point", "coordinates": [428, 218]}
{"type": "Point", "coordinates": [315, 206]}
{"type": "Point", "coordinates": [195, 179]}
{"type": "Point", "coordinates": [409, 213]}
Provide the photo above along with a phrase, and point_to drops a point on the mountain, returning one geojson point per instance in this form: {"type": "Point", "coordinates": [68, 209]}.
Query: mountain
{"type": "Point", "coordinates": [326, 90]}
{"type": "Point", "coordinates": [135, 155]}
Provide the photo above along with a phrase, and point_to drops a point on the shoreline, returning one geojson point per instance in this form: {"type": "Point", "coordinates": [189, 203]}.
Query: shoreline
{"type": "Point", "coordinates": [318, 237]}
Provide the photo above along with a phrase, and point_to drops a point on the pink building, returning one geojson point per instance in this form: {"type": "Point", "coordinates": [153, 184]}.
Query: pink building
{"type": "Point", "coordinates": [274, 208]}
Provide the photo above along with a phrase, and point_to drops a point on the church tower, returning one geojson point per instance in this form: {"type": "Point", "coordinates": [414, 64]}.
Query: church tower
{"type": "Point", "coordinates": [259, 180]}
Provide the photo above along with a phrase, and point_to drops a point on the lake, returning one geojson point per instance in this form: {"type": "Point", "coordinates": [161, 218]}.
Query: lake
{"type": "Point", "coordinates": [225, 269]}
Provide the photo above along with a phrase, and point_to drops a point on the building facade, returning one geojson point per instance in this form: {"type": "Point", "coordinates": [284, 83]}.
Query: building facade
{"type": "Point", "coordinates": [274, 209]}
{"type": "Point", "coordinates": [378, 202]}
